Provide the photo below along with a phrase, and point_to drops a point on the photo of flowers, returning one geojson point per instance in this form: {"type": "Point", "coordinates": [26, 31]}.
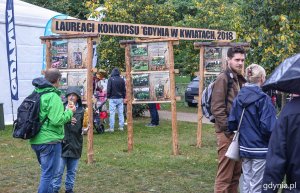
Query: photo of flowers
{"type": "Point", "coordinates": [139, 50]}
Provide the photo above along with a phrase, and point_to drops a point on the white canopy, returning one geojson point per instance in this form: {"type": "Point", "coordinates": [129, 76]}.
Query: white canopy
{"type": "Point", "coordinates": [30, 21]}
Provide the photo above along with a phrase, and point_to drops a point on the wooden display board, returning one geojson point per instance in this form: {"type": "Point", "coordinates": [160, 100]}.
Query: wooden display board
{"type": "Point", "coordinates": [73, 55]}
{"type": "Point", "coordinates": [212, 61]}
{"type": "Point", "coordinates": [150, 78]}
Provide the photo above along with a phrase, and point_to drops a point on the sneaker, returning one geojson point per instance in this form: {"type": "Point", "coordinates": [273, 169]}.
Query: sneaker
{"type": "Point", "coordinates": [69, 191]}
{"type": "Point", "coordinates": [150, 125]}
{"type": "Point", "coordinates": [109, 130]}
{"type": "Point", "coordinates": [121, 129]}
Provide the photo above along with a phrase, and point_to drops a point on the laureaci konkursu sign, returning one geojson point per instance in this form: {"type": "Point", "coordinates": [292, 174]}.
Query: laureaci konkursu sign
{"type": "Point", "coordinates": [138, 30]}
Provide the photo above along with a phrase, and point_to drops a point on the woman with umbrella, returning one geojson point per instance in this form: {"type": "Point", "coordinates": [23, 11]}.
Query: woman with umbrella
{"type": "Point", "coordinates": [283, 158]}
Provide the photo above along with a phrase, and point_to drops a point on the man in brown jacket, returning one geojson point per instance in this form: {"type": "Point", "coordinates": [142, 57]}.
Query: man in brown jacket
{"type": "Point", "coordinates": [226, 87]}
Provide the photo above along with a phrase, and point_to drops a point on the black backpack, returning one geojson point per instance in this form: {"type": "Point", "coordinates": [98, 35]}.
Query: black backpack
{"type": "Point", "coordinates": [28, 123]}
{"type": "Point", "coordinates": [206, 98]}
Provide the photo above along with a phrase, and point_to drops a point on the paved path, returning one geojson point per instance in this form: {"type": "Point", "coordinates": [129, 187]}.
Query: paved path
{"type": "Point", "coordinates": [188, 117]}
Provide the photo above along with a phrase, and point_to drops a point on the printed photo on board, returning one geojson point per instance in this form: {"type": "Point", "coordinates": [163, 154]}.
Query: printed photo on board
{"type": "Point", "coordinates": [141, 94]}
{"type": "Point", "coordinates": [140, 80]}
{"type": "Point", "coordinates": [213, 53]}
{"type": "Point", "coordinates": [138, 64]}
{"type": "Point", "coordinates": [77, 58]}
{"type": "Point", "coordinates": [213, 65]}
{"type": "Point", "coordinates": [160, 86]}
{"type": "Point", "coordinates": [139, 50]}
{"type": "Point", "coordinates": [59, 52]}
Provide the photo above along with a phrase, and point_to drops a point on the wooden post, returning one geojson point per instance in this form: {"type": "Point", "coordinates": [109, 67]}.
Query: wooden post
{"type": "Point", "coordinates": [48, 54]}
{"type": "Point", "coordinates": [90, 151]}
{"type": "Point", "coordinates": [129, 98]}
{"type": "Point", "coordinates": [200, 113]}
{"type": "Point", "coordinates": [173, 100]}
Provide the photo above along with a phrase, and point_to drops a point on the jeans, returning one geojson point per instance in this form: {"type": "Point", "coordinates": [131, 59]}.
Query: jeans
{"type": "Point", "coordinates": [71, 164]}
{"type": "Point", "coordinates": [154, 114]}
{"type": "Point", "coordinates": [113, 105]}
{"type": "Point", "coordinates": [48, 156]}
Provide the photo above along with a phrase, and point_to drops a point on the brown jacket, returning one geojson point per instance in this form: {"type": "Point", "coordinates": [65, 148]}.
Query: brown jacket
{"type": "Point", "coordinates": [218, 104]}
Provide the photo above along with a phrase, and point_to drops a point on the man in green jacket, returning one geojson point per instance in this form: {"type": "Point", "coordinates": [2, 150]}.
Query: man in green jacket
{"type": "Point", "coordinates": [47, 143]}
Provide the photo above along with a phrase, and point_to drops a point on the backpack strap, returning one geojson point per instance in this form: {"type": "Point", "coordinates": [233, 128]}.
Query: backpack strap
{"type": "Point", "coordinates": [229, 85]}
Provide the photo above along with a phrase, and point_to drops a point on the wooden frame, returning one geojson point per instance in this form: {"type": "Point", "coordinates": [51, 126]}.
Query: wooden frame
{"type": "Point", "coordinates": [126, 44]}
{"type": "Point", "coordinates": [90, 39]}
{"type": "Point", "coordinates": [201, 46]}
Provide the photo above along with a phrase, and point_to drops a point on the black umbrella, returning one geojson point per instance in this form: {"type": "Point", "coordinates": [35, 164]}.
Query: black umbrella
{"type": "Point", "coordinates": [286, 77]}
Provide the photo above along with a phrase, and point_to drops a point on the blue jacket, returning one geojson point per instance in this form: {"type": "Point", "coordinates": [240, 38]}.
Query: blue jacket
{"type": "Point", "coordinates": [258, 121]}
{"type": "Point", "coordinates": [283, 158]}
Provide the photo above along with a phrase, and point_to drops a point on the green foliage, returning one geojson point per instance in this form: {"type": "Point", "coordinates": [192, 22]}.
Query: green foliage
{"type": "Point", "coordinates": [138, 110]}
{"type": "Point", "coordinates": [130, 11]}
{"type": "Point", "coordinates": [74, 8]}
{"type": "Point", "coordinates": [272, 28]}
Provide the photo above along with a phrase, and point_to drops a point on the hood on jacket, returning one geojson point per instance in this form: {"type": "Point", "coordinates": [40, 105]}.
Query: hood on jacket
{"type": "Point", "coordinates": [115, 72]}
{"type": "Point", "coordinates": [41, 83]}
{"type": "Point", "coordinates": [249, 94]}
{"type": "Point", "coordinates": [74, 90]}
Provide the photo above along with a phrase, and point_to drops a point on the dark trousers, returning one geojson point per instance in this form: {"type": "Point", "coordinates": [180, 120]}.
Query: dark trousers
{"type": "Point", "coordinates": [153, 114]}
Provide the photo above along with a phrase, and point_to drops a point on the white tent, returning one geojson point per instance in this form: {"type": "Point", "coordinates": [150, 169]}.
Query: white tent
{"type": "Point", "coordinates": [30, 21]}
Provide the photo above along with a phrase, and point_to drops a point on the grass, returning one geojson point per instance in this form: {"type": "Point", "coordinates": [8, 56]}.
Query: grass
{"type": "Point", "coordinates": [180, 107]}
{"type": "Point", "coordinates": [182, 79]}
{"type": "Point", "coordinates": [151, 167]}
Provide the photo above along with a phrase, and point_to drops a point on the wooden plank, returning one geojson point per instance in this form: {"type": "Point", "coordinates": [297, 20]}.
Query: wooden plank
{"type": "Point", "coordinates": [200, 113]}
{"type": "Point", "coordinates": [148, 40]}
{"type": "Point", "coordinates": [129, 99]}
{"type": "Point", "coordinates": [147, 102]}
{"type": "Point", "coordinates": [90, 142]}
{"type": "Point", "coordinates": [149, 72]}
{"type": "Point", "coordinates": [70, 36]}
{"type": "Point", "coordinates": [197, 45]}
{"type": "Point", "coordinates": [68, 26]}
{"type": "Point", "coordinates": [48, 54]}
{"type": "Point", "coordinates": [173, 100]}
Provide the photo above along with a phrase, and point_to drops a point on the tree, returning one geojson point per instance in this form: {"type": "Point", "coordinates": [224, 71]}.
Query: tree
{"type": "Point", "coordinates": [210, 14]}
{"type": "Point", "coordinates": [272, 28]}
{"type": "Point", "coordinates": [74, 8]}
{"type": "Point", "coordinates": [150, 12]}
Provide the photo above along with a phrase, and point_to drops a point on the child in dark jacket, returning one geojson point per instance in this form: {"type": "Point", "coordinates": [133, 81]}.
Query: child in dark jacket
{"type": "Point", "coordinates": [72, 144]}
{"type": "Point", "coordinates": [256, 127]}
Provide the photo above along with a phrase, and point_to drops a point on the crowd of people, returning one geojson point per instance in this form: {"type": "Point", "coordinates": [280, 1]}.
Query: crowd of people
{"type": "Point", "coordinates": [268, 146]}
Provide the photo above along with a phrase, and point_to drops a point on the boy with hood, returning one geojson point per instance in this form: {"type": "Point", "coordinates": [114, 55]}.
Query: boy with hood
{"type": "Point", "coordinates": [47, 143]}
{"type": "Point", "coordinates": [72, 143]}
{"type": "Point", "coordinates": [256, 127]}
{"type": "Point", "coordinates": [116, 93]}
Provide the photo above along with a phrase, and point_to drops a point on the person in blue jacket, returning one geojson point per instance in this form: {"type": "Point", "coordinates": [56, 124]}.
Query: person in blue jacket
{"type": "Point", "coordinates": [256, 127]}
{"type": "Point", "coordinates": [283, 158]}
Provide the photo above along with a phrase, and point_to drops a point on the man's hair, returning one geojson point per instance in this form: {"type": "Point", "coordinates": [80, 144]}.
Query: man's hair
{"type": "Point", "coordinates": [52, 75]}
{"type": "Point", "coordinates": [235, 50]}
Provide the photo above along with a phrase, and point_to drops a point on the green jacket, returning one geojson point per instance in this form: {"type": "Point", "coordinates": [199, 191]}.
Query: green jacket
{"type": "Point", "coordinates": [51, 107]}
